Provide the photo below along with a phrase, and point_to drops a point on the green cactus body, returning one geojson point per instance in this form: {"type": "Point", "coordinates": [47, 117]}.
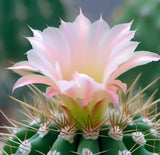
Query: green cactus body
{"type": "Point", "coordinates": [20, 135]}
{"type": "Point", "coordinates": [14, 14]}
{"type": "Point", "coordinates": [124, 131]}
{"type": "Point", "coordinates": [52, 142]}
{"type": "Point", "coordinates": [63, 146]}
{"type": "Point", "coordinates": [88, 145]}
{"type": "Point", "coordinates": [40, 142]}
{"type": "Point", "coordinates": [153, 140]}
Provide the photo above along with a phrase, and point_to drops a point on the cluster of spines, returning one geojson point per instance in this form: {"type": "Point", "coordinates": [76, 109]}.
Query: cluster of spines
{"type": "Point", "coordinates": [130, 129]}
{"type": "Point", "coordinates": [138, 138]}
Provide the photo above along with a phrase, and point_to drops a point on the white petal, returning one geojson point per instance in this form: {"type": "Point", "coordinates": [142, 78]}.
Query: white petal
{"type": "Point", "coordinates": [76, 36]}
{"type": "Point", "coordinates": [139, 58]}
{"type": "Point", "coordinates": [36, 33]}
{"type": "Point", "coordinates": [42, 48]}
{"type": "Point", "coordinates": [111, 47]}
{"type": "Point", "coordinates": [96, 32]}
{"type": "Point", "coordinates": [42, 64]}
{"type": "Point", "coordinates": [56, 41]}
{"type": "Point", "coordinates": [121, 53]}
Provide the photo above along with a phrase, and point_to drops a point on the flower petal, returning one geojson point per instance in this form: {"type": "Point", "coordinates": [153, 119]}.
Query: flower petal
{"type": "Point", "coordinates": [112, 93]}
{"type": "Point", "coordinates": [85, 86]}
{"type": "Point", "coordinates": [52, 47]}
{"type": "Point", "coordinates": [58, 44]}
{"type": "Point", "coordinates": [36, 33]}
{"type": "Point", "coordinates": [139, 58]}
{"type": "Point", "coordinates": [41, 63]}
{"type": "Point", "coordinates": [23, 65]}
{"type": "Point", "coordinates": [76, 35]}
{"type": "Point", "coordinates": [119, 84]}
{"type": "Point", "coordinates": [22, 72]}
{"type": "Point", "coordinates": [95, 34]}
{"type": "Point", "coordinates": [32, 78]}
{"type": "Point", "coordinates": [82, 60]}
{"type": "Point", "coordinates": [51, 91]}
{"type": "Point", "coordinates": [42, 48]}
{"type": "Point", "coordinates": [22, 68]}
{"type": "Point", "coordinates": [115, 48]}
{"type": "Point", "coordinates": [121, 53]}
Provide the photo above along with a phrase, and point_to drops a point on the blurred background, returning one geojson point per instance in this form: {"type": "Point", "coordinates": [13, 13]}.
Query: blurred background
{"type": "Point", "coordinates": [15, 15]}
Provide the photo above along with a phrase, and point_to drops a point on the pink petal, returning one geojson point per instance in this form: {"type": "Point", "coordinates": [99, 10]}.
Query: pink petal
{"type": "Point", "coordinates": [115, 48]}
{"type": "Point", "coordinates": [58, 70]}
{"type": "Point", "coordinates": [112, 93]}
{"type": "Point", "coordinates": [119, 84]}
{"type": "Point", "coordinates": [81, 86]}
{"type": "Point", "coordinates": [51, 91]}
{"type": "Point", "coordinates": [51, 49]}
{"type": "Point", "coordinates": [117, 34]}
{"type": "Point", "coordinates": [32, 78]}
{"type": "Point", "coordinates": [42, 64]}
{"type": "Point", "coordinates": [84, 88]}
{"type": "Point", "coordinates": [22, 65]}
{"type": "Point", "coordinates": [139, 58]}
{"type": "Point", "coordinates": [82, 24]}
{"type": "Point", "coordinates": [69, 88]}
{"type": "Point", "coordinates": [120, 54]}
{"type": "Point", "coordinates": [57, 43]}
{"type": "Point", "coordinates": [94, 36]}
{"type": "Point", "coordinates": [41, 48]}
{"type": "Point", "coordinates": [85, 101]}
{"type": "Point", "coordinates": [64, 87]}
{"type": "Point", "coordinates": [96, 32]}
{"type": "Point", "coordinates": [76, 35]}
{"type": "Point", "coordinates": [22, 72]}
{"type": "Point", "coordinates": [36, 33]}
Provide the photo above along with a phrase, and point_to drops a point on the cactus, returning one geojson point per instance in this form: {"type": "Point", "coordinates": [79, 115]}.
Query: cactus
{"type": "Point", "coordinates": [133, 128]}
{"type": "Point", "coordinates": [147, 23]}
{"type": "Point", "coordinates": [84, 112]}
{"type": "Point", "coordinates": [17, 13]}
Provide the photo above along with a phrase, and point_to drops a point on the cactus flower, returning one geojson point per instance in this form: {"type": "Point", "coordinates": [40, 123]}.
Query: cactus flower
{"type": "Point", "coordinates": [82, 60]}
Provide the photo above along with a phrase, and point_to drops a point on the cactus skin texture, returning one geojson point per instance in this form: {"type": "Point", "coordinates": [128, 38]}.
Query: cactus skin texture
{"type": "Point", "coordinates": [14, 14]}
{"type": "Point", "coordinates": [147, 22]}
{"type": "Point", "coordinates": [132, 128]}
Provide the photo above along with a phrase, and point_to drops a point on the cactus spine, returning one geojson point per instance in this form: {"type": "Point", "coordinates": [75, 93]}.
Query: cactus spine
{"type": "Point", "coordinates": [133, 128]}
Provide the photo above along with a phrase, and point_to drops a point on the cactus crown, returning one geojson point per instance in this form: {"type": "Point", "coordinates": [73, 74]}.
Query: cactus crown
{"type": "Point", "coordinates": [132, 128]}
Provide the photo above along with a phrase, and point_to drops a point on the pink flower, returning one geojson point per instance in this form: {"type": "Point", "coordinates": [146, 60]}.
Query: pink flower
{"type": "Point", "coordinates": [82, 60]}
